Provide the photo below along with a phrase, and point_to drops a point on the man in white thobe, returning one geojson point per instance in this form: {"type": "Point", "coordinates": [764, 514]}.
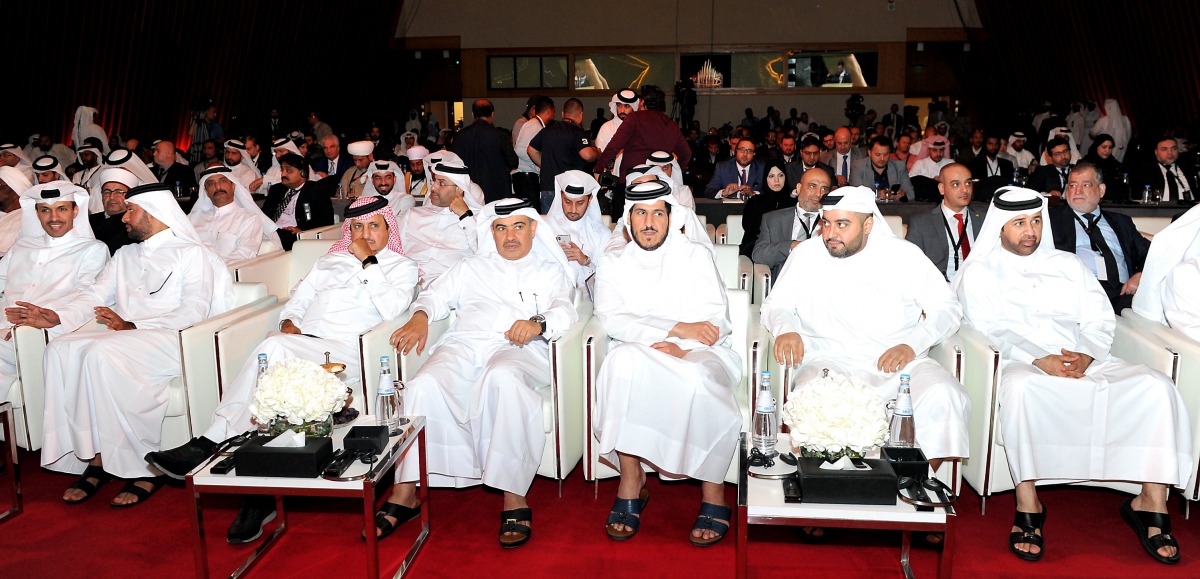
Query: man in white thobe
{"type": "Point", "coordinates": [47, 168]}
{"type": "Point", "coordinates": [667, 162]}
{"type": "Point", "coordinates": [665, 391]}
{"type": "Point", "coordinates": [416, 178]}
{"type": "Point", "coordinates": [575, 215]}
{"type": "Point", "coordinates": [13, 156]}
{"type": "Point", "coordinates": [107, 390]}
{"type": "Point", "coordinates": [868, 304]}
{"type": "Point", "coordinates": [12, 185]}
{"type": "Point", "coordinates": [381, 179]}
{"type": "Point", "coordinates": [55, 255]}
{"type": "Point", "coordinates": [683, 218]}
{"type": "Point", "coordinates": [1167, 293]}
{"type": "Point", "coordinates": [89, 158]}
{"type": "Point", "coordinates": [238, 159]}
{"type": "Point", "coordinates": [483, 386]}
{"type": "Point", "coordinates": [227, 219]}
{"type": "Point", "coordinates": [440, 233]}
{"type": "Point", "coordinates": [1068, 409]}
{"type": "Point", "coordinates": [351, 183]}
{"type": "Point", "coordinates": [363, 280]}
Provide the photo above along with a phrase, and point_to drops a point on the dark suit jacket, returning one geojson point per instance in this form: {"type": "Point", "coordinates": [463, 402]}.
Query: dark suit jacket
{"type": "Point", "coordinates": [862, 173]}
{"type": "Point", "coordinates": [488, 153]}
{"type": "Point", "coordinates": [987, 186]}
{"type": "Point", "coordinates": [264, 160]}
{"type": "Point", "coordinates": [319, 204]}
{"type": "Point", "coordinates": [775, 239]}
{"type": "Point", "coordinates": [321, 165]}
{"type": "Point", "coordinates": [727, 172]}
{"type": "Point", "coordinates": [927, 230]}
{"type": "Point", "coordinates": [1133, 245]}
{"type": "Point", "coordinates": [1151, 174]}
{"type": "Point", "coordinates": [796, 170]}
{"type": "Point", "coordinates": [186, 176]}
{"type": "Point", "coordinates": [1045, 179]}
{"type": "Point", "coordinates": [831, 158]}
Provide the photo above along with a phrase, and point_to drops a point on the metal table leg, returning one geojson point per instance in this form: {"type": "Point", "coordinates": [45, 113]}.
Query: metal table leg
{"type": "Point", "coordinates": [10, 458]}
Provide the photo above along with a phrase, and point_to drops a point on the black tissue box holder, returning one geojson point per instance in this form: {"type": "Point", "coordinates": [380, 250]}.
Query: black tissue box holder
{"type": "Point", "coordinates": [254, 459]}
{"type": "Point", "coordinates": [372, 439]}
{"type": "Point", "coordinates": [910, 462]}
{"type": "Point", "coordinates": [876, 486]}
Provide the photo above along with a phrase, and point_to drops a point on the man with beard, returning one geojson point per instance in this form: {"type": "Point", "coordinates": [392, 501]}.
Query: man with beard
{"type": "Point", "coordinates": [575, 215]}
{"type": "Point", "coordinates": [54, 256]}
{"type": "Point", "coordinates": [227, 219]}
{"type": "Point", "coordinates": [106, 390]}
{"type": "Point", "coordinates": [108, 225]}
{"type": "Point", "coordinates": [440, 233]}
{"type": "Point", "coordinates": [381, 179]}
{"type": "Point", "coordinates": [947, 233]}
{"type": "Point", "coordinates": [45, 145]}
{"type": "Point", "coordinates": [362, 153]}
{"type": "Point", "coordinates": [663, 300]}
{"type": "Point", "coordinates": [416, 180]}
{"type": "Point", "coordinates": [481, 388]}
{"type": "Point", "coordinates": [879, 171]}
{"type": "Point", "coordinates": [238, 159]}
{"type": "Point", "coordinates": [208, 156]}
{"type": "Point", "coordinates": [87, 164]}
{"type": "Point", "coordinates": [46, 169]}
{"type": "Point", "coordinates": [783, 229]}
{"type": "Point", "coordinates": [809, 158]}
{"type": "Point", "coordinates": [296, 204]}
{"type": "Point", "coordinates": [892, 306]}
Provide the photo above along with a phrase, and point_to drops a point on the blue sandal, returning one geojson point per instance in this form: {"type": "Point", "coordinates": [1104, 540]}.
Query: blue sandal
{"type": "Point", "coordinates": [627, 512]}
{"type": "Point", "coordinates": [707, 521]}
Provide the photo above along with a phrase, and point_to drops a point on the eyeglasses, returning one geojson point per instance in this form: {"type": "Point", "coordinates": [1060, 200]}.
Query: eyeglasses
{"type": "Point", "coordinates": [112, 192]}
{"type": "Point", "coordinates": [744, 150]}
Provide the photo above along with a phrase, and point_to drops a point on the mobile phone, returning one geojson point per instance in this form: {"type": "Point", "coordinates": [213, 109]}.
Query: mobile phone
{"type": "Point", "coordinates": [563, 239]}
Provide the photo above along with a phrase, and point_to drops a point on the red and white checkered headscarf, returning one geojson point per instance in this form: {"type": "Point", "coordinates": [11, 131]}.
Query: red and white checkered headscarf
{"type": "Point", "coordinates": [366, 208]}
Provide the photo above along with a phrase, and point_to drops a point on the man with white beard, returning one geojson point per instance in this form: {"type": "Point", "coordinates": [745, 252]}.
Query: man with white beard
{"type": "Point", "coordinates": [227, 219]}
{"type": "Point", "coordinates": [1068, 409]}
{"type": "Point", "coordinates": [106, 390]}
{"type": "Point", "coordinates": [55, 255]}
{"type": "Point", "coordinates": [575, 215]}
{"type": "Point", "coordinates": [362, 281]}
{"type": "Point", "coordinates": [891, 306]}
{"type": "Point", "coordinates": [480, 386]}
{"type": "Point", "coordinates": [665, 393]}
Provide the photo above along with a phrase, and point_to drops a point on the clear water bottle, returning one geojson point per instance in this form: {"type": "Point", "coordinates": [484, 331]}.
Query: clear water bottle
{"type": "Point", "coordinates": [1146, 195]}
{"type": "Point", "coordinates": [387, 404]}
{"type": "Point", "coordinates": [263, 426]}
{"type": "Point", "coordinates": [766, 426]}
{"type": "Point", "coordinates": [902, 433]}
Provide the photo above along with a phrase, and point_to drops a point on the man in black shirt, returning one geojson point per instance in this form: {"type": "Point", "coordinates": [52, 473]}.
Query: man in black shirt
{"type": "Point", "coordinates": [562, 147]}
{"type": "Point", "coordinates": [487, 151]}
{"type": "Point", "coordinates": [107, 225]}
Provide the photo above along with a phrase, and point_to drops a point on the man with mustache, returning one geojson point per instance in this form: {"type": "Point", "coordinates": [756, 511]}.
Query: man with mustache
{"type": "Point", "coordinates": [227, 219]}
{"type": "Point", "coordinates": [55, 255]}
{"type": "Point", "coordinates": [891, 306]}
{"type": "Point", "coordinates": [480, 388]}
{"type": "Point", "coordinates": [1068, 409]}
{"type": "Point", "coordinates": [665, 392]}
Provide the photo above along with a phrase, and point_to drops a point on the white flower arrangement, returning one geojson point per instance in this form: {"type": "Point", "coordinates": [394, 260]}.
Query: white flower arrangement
{"type": "Point", "coordinates": [297, 390]}
{"type": "Point", "coordinates": [835, 415]}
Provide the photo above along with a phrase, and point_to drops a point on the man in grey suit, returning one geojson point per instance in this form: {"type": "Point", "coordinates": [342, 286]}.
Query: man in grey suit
{"type": "Point", "coordinates": [809, 157]}
{"type": "Point", "coordinates": [843, 154]}
{"type": "Point", "coordinates": [939, 233]}
{"type": "Point", "coordinates": [783, 228]}
{"type": "Point", "coordinates": [879, 170]}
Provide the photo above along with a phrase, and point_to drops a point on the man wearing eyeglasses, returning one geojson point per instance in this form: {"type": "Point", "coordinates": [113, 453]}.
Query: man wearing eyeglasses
{"type": "Point", "coordinates": [1052, 179]}
{"type": "Point", "coordinates": [740, 177]}
{"type": "Point", "coordinates": [107, 225]}
{"type": "Point", "coordinates": [441, 232]}
{"type": "Point", "coordinates": [785, 228]}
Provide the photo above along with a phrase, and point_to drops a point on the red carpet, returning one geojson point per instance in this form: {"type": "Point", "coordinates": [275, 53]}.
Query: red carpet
{"type": "Point", "coordinates": [1085, 535]}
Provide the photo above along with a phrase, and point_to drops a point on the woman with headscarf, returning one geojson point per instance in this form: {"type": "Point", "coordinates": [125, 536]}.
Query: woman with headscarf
{"type": "Point", "coordinates": [1101, 155]}
{"type": "Point", "coordinates": [1116, 125]}
{"type": "Point", "coordinates": [775, 195]}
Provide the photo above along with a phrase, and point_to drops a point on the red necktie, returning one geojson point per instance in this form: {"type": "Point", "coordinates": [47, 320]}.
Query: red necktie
{"type": "Point", "coordinates": [742, 178]}
{"type": "Point", "coordinates": [962, 236]}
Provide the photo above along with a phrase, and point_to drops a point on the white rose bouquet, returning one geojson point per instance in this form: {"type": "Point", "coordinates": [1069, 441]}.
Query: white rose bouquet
{"type": "Point", "coordinates": [298, 391]}
{"type": "Point", "coordinates": [834, 415]}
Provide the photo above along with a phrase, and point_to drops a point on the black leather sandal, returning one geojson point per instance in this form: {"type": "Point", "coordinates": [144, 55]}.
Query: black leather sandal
{"type": "Point", "coordinates": [1141, 521]}
{"type": "Point", "coordinates": [89, 488]}
{"type": "Point", "coordinates": [1029, 523]}
{"type": "Point", "coordinates": [509, 524]}
{"type": "Point", "coordinates": [401, 513]}
{"type": "Point", "coordinates": [142, 494]}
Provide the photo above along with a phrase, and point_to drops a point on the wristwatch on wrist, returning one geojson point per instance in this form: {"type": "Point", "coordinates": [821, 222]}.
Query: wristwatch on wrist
{"type": "Point", "coordinates": [541, 321]}
{"type": "Point", "coordinates": [369, 260]}
{"type": "Point", "coordinates": [466, 214]}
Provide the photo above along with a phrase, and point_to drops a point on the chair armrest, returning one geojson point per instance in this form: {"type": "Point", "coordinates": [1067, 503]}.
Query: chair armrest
{"type": "Point", "coordinates": [320, 232]}
{"type": "Point", "coordinates": [237, 341]}
{"type": "Point", "coordinates": [762, 282]}
{"type": "Point", "coordinates": [711, 231]}
{"type": "Point", "coordinates": [408, 364]}
{"type": "Point", "coordinates": [568, 391]}
{"type": "Point", "coordinates": [372, 344]}
{"type": "Point", "coordinates": [745, 269]}
{"type": "Point", "coordinates": [949, 353]}
{"type": "Point", "coordinates": [273, 269]}
{"type": "Point", "coordinates": [235, 266]}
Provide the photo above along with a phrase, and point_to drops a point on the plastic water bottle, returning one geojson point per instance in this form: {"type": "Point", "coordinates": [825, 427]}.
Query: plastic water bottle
{"type": "Point", "coordinates": [263, 426]}
{"type": "Point", "coordinates": [1146, 195]}
{"type": "Point", "coordinates": [766, 425]}
{"type": "Point", "coordinates": [902, 433]}
{"type": "Point", "coordinates": [387, 400]}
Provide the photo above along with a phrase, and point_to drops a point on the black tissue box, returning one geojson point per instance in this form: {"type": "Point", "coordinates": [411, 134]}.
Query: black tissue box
{"type": "Point", "coordinates": [372, 439]}
{"type": "Point", "coordinates": [876, 486]}
{"type": "Point", "coordinates": [910, 462]}
{"type": "Point", "coordinates": [254, 459]}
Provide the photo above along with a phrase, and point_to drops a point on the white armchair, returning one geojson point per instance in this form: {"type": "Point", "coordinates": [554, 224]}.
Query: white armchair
{"type": "Point", "coordinates": [332, 232]}
{"type": "Point", "coordinates": [562, 402]}
{"type": "Point", "coordinates": [735, 269]}
{"type": "Point", "coordinates": [750, 340]}
{"type": "Point", "coordinates": [281, 270]}
{"type": "Point", "coordinates": [987, 469]}
{"type": "Point", "coordinates": [731, 231]}
{"type": "Point", "coordinates": [192, 397]}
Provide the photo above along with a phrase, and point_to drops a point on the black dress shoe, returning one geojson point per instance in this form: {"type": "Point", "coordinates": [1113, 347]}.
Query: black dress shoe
{"type": "Point", "coordinates": [247, 526]}
{"type": "Point", "coordinates": [177, 462]}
